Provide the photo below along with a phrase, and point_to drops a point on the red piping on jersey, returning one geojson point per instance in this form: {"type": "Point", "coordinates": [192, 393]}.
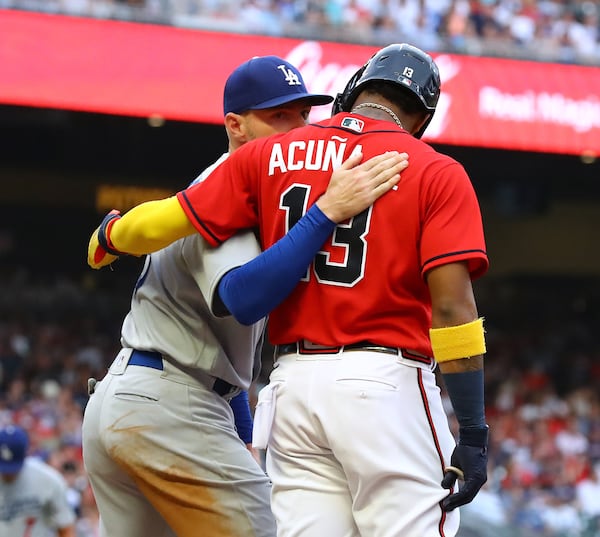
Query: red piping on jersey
{"type": "Point", "coordinates": [435, 440]}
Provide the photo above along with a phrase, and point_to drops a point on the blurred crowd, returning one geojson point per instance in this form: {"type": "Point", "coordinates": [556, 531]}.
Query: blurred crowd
{"type": "Point", "coordinates": [565, 31]}
{"type": "Point", "coordinates": [543, 407]}
{"type": "Point", "coordinates": [543, 364]}
{"type": "Point", "coordinates": [542, 393]}
{"type": "Point", "coordinates": [54, 335]}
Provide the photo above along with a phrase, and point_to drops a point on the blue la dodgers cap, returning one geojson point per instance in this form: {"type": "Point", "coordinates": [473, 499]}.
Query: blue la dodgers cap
{"type": "Point", "coordinates": [13, 449]}
{"type": "Point", "coordinates": [266, 82]}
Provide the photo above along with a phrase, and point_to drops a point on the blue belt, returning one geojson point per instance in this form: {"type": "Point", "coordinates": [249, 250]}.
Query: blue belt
{"type": "Point", "coordinates": [147, 359]}
{"type": "Point", "coordinates": [154, 360]}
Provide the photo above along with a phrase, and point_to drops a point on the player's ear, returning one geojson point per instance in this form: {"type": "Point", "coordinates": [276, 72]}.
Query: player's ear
{"type": "Point", "coordinates": [236, 128]}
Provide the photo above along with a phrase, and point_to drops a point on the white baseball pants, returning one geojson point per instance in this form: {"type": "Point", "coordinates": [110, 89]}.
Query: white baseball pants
{"type": "Point", "coordinates": [164, 460]}
{"type": "Point", "coordinates": [358, 445]}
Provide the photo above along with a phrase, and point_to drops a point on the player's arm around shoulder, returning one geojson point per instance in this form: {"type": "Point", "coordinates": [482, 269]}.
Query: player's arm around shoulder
{"type": "Point", "coordinates": [146, 228]}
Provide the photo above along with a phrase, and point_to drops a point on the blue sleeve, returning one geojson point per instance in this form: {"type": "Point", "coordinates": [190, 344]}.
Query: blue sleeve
{"type": "Point", "coordinates": [243, 418]}
{"type": "Point", "coordinates": [466, 392]}
{"type": "Point", "coordinates": [253, 290]}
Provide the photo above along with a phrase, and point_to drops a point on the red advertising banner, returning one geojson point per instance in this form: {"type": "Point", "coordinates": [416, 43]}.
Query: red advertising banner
{"type": "Point", "coordinates": [144, 70]}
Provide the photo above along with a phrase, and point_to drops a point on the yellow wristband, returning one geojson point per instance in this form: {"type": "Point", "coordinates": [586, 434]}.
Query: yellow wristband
{"type": "Point", "coordinates": [456, 342]}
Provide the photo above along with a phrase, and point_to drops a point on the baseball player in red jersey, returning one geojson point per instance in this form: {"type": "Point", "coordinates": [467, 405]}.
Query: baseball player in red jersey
{"type": "Point", "coordinates": [159, 442]}
{"type": "Point", "coordinates": [163, 427]}
{"type": "Point", "coordinates": [358, 440]}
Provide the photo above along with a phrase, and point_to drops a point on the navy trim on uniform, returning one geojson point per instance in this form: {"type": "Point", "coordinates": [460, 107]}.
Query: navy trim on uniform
{"type": "Point", "coordinates": [435, 441]}
{"type": "Point", "coordinates": [198, 220]}
{"type": "Point", "coordinates": [460, 252]}
{"type": "Point", "coordinates": [144, 275]}
{"type": "Point", "coordinates": [360, 133]}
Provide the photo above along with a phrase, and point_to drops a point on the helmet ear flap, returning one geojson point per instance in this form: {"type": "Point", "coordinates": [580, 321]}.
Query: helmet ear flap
{"type": "Point", "coordinates": [337, 105]}
{"type": "Point", "coordinates": [342, 102]}
{"type": "Point", "coordinates": [421, 131]}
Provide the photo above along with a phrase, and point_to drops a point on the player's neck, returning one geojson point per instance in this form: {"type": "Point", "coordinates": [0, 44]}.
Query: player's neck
{"type": "Point", "coordinates": [378, 111]}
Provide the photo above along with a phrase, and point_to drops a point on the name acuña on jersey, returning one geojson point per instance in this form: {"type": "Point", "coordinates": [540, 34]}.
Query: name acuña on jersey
{"type": "Point", "coordinates": [310, 155]}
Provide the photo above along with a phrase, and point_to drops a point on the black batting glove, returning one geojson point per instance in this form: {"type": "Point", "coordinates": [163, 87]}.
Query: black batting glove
{"type": "Point", "coordinates": [469, 464]}
{"type": "Point", "coordinates": [104, 232]}
{"type": "Point", "coordinates": [100, 250]}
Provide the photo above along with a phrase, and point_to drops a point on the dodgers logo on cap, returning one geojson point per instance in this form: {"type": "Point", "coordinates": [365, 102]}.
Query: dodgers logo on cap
{"type": "Point", "coordinates": [13, 449]}
{"type": "Point", "coordinates": [291, 77]}
{"type": "Point", "coordinates": [267, 82]}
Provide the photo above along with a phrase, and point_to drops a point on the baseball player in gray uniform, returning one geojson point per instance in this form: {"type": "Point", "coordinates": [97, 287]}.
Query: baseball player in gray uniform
{"type": "Point", "coordinates": [33, 495]}
{"type": "Point", "coordinates": [159, 440]}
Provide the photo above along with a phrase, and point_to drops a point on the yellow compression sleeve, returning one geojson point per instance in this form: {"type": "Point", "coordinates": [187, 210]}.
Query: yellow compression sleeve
{"type": "Point", "coordinates": [150, 226]}
{"type": "Point", "coordinates": [456, 342]}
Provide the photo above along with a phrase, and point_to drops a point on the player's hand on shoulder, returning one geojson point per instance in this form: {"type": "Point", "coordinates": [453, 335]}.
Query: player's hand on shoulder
{"type": "Point", "coordinates": [100, 251]}
{"type": "Point", "coordinates": [355, 186]}
{"type": "Point", "coordinates": [469, 464]}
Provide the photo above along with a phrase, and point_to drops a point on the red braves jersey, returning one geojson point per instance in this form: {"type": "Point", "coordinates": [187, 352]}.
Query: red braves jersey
{"type": "Point", "coordinates": [367, 283]}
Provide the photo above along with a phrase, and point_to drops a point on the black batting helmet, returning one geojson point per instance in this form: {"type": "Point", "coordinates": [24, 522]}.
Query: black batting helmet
{"type": "Point", "coordinates": [405, 65]}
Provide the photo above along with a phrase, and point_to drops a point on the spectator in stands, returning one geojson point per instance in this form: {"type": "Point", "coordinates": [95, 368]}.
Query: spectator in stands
{"type": "Point", "coordinates": [587, 494]}
{"type": "Point", "coordinates": [526, 408]}
{"type": "Point", "coordinates": [33, 495]}
{"type": "Point", "coordinates": [548, 30]}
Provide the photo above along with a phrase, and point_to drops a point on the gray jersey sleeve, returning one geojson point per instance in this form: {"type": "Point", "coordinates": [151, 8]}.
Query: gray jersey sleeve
{"type": "Point", "coordinates": [170, 308]}
{"type": "Point", "coordinates": [216, 262]}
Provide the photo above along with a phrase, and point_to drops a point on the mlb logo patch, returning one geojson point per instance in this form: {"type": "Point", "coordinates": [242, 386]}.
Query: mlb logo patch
{"type": "Point", "coordinates": [353, 124]}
